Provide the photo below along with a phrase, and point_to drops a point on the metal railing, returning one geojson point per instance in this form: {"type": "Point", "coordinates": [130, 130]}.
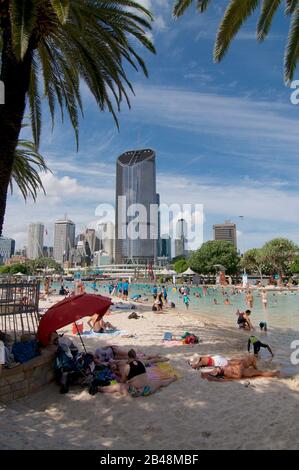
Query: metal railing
{"type": "Point", "coordinates": [19, 300]}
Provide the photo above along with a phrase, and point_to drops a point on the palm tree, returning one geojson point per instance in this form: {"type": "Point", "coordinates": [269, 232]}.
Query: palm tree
{"type": "Point", "coordinates": [28, 163]}
{"type": "Point", "coordinates": [59, 44]}
{"type": "Point", "coordinates": [238, 11]}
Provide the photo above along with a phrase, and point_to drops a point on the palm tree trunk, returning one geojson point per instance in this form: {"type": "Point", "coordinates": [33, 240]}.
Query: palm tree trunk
{"type": "Point", "coordinates": [16, 77]}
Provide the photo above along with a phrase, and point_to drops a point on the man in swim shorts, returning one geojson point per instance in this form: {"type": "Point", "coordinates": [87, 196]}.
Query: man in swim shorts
{"type": "Point", "coordinates": [196, 362]}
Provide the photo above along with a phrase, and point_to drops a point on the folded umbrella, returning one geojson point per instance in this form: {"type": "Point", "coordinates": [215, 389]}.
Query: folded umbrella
{"type": "Point", "coordinates": [70, 310]}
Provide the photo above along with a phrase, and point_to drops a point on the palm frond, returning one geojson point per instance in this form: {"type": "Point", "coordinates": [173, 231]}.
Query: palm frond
{"type": "Point", "coordinates": [202, 5]}
{"type": "Point", "coordinates": [235, 15]}
{"type": "Point", "coordinates": [292, 48]}
{"type": "Point", "coordinates": [269, 8]}
{"type": "Point", "coordinates": [23, 14]}
{"type": "Point", "coordinates": [35, 103]}
{"type": "Point", "coordinates": [180, 7]}
{"type": "Point", "coordinates": [27, 166]}
{"type": "Point", "coordinates": [61, 9]}
{"type": "Point", "coordinates": [290, 6]}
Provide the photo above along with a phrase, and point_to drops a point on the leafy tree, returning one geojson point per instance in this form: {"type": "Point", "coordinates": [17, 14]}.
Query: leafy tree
{"type": "Point", "coordinates": [280, 254]}
{"type": "Point", "coordinates": [212, 253]}
{"type": "Point", "coordinates": [235, 15]}
{"type": "Point", "coordinates": [294, 268]}
{"type": "Point", "coordinates": [254, 260]}
{"type": "Point", "coordinates": [45, 264]}
{"type": "Point", "coordinates": [181, 265]}
{"type": "Point", "coordinates": [177, 258]}
{"type": "Point", "coordinates": [14, 269]}
{"type": "Point", "coordinates": [56, 45]}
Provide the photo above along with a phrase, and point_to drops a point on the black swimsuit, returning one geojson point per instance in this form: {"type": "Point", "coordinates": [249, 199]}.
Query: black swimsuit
{"type": "Point", "coordinates": [136, 368]}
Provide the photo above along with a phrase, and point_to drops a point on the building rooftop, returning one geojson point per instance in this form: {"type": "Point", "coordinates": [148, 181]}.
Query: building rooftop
{"type": "Point", "coordinates": [133, 157]}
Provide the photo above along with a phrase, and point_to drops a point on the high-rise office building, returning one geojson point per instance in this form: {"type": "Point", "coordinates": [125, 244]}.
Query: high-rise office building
{"type": "Point", "coordinates": [226, 231]}
{"type": "Point", "coordinates": [136, 241]}
{"type": "Point", "coordinates": [165, 246]}
{"type": "Point", "coordinates": [7, 249]}
{"type": "Point", "coordinates": [180, 240]}
{"type": "Point", "coordinates": [35, 240]}
{"type": "Point", "coordinates": [105, 232]}
{"type": "Point", "coordinates": [48, 251]}
{"type": "Point", "coordinates": [64, 240]}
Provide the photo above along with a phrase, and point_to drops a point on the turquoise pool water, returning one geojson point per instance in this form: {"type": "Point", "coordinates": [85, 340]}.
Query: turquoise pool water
{"type": "Point", "coordinates": [282, 310]}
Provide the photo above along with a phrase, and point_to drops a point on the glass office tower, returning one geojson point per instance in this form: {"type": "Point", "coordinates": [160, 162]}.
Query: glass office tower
{"type": "Point", "coordinates": [136, 198]}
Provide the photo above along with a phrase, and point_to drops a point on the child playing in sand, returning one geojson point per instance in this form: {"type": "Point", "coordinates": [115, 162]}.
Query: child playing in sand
{"type": "Point", "coordinates": [257, 345]}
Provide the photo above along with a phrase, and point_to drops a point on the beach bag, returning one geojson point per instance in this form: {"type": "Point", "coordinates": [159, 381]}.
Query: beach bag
{"type": "Point", "coordinates": [23, 352]}
{"type": "Point", "coordinates": [167, 336]}
{"type": "Point", "coordinates": [192, 339]}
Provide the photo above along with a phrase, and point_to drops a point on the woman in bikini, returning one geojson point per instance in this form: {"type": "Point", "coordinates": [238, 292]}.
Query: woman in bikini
{"type": "Point", "coordinates": [134, 380]}
{"type": "Point", "coordinates": [98, 325]}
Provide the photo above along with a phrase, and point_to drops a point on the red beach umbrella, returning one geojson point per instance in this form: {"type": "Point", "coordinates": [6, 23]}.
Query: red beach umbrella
{"type": "Point", "coordinates": [70, 310]}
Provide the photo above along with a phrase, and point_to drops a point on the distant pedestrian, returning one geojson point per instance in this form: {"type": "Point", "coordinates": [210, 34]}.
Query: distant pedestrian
{"type": "Point", "coordinates": [186, 301]}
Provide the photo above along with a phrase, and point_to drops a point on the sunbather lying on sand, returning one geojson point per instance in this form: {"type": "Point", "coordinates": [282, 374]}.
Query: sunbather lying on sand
{"type": "Point", "coordinates": [114, 353]}
{"type": "Point", "coordinates": [135, 381]}
{"type": "Point", "coordinates": [196, 361]}
{"type": "Point", "coordinates": [236, 372]}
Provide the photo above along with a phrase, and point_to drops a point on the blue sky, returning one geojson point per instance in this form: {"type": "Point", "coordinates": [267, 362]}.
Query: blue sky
{"type": "Point", "coordinates": [226, 135]}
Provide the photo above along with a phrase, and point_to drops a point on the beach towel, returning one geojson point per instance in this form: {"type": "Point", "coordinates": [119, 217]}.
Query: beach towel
{"type": "Point", "coordinates": [161, 371]}
{"type": "Point", "coordinates": [172, 342]}
{"type": "Point", "coordinates": [107, 333]}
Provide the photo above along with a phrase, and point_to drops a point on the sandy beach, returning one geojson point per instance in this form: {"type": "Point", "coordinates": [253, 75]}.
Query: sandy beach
{"type": "Point", "coordinates": [191, 413]}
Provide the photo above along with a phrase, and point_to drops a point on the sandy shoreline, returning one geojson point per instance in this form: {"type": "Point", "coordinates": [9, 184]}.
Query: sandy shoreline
{"type": "Point", "coordinates": [189, 414]}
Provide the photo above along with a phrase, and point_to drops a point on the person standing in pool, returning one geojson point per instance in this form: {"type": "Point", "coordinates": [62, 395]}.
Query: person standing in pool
{"type": "Point", "coordinates": [186, 301]}
{"type": "Point", "coordinates": [249, 299]}
{"type": "Point", "coordinates": [125, 287]}
{"type": "Point", "coordinates": [164, 291]}
{"type": "Point", "coordinates": [264, 298]}
{"type": "Point", "coordinates": [155, 292]}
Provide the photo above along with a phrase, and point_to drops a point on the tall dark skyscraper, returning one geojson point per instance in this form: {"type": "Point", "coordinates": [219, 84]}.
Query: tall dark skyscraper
{"type": "Point", "coordinates": [136, 184]}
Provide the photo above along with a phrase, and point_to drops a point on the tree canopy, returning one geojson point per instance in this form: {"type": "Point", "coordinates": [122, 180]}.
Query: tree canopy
{"type": "Point", "coordinates": [214, 252]}
{"type": "Point", "coordinates": [181, 265]}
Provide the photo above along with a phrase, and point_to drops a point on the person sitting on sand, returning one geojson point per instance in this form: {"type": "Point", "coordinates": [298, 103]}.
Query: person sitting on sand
{"type": "Point", "coordinates": [98, 325]}
{"type": "Point", "coordinates": [157, 307]}
{"type": "Point", "coordinates": [196, 361]}
{"type": "Point", "coordinates": [226, 302]}
{"type": "Point", "coordinates": [243, 320]}
{"type": "Point", "coordinates": [215, 302]}
{"type": "Point", "coordinates": [135, 381]}
{"type": "Point", "coordinates": [257, 345]}
{"type": "Point", "coordinates": [236, 372]}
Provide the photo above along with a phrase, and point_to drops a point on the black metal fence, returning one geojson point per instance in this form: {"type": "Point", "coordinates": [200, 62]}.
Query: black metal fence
{"type": "Point", "coordinates": [19, 301]}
